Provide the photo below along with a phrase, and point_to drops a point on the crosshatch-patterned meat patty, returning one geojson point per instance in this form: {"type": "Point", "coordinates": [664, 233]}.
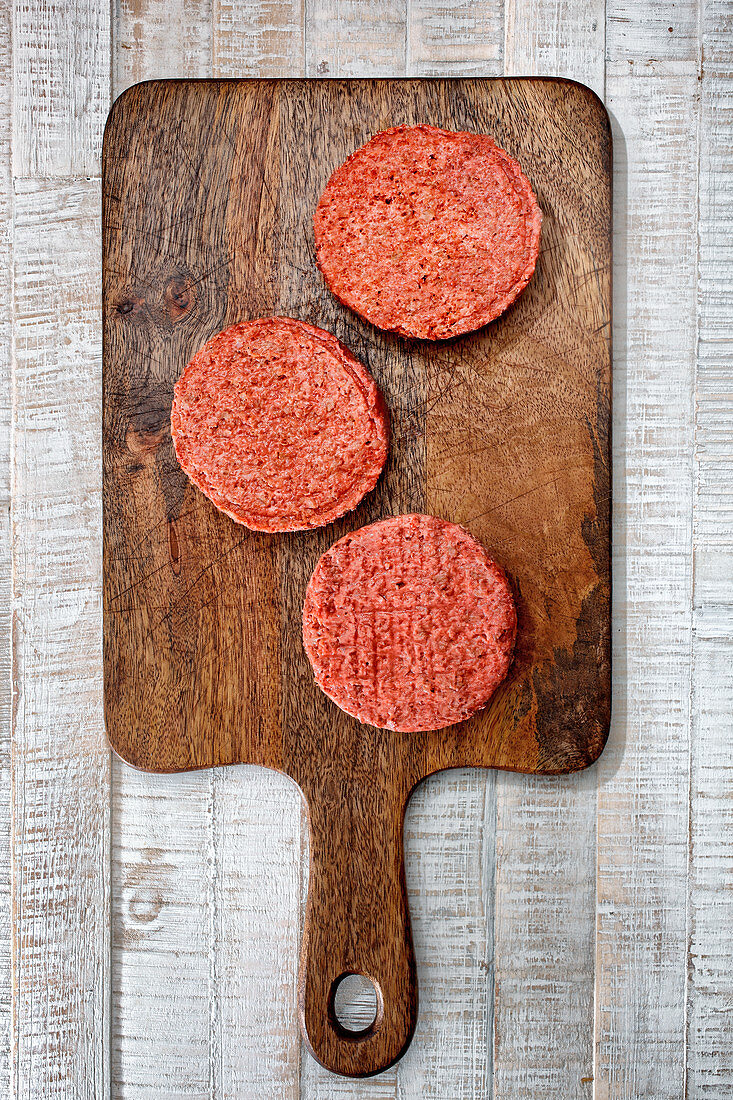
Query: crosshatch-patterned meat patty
{"type": "Point", "coordinates": [279, 425]}
{"type": "Point", "coordinates": [429, 233]}
{"type": "Point", "coordinates": [408, 624]}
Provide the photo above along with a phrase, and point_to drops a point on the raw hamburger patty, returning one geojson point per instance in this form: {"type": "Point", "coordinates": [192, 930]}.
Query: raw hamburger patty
{"type": "Point", "coordinates": [427, 232]}
{"type": "Point", "coordinates": [279, 425]}
{"type": "Point", "coordinates": [408, 623]}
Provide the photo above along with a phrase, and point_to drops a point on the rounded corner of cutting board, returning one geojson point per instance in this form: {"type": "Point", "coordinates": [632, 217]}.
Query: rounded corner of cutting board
{"type": "Point", "coordinates": [129, 96]}
{"type": "Point", "coordinates": [595, 107]}
{"type": "Point", "coordinates": [583, 762]}
{"type": "Point", "coordinates": [127, 755]}
{"type": "Point", "coordinates": [141, 752]}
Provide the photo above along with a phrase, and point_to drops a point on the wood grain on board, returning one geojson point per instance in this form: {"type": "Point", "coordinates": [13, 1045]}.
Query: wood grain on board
{"type": "Point", "coordinates": [505, 431]}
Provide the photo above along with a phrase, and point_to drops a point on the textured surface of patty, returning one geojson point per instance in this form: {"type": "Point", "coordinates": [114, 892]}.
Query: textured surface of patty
{"type": "Point", "coordinates": [279, 425]}
{"type": "Point", "coordinates": [408, 624]}
{"type": "Point", "coordinates": [427, 232]}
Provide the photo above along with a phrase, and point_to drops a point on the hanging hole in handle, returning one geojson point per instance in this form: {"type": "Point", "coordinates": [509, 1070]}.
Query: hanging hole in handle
{"type": "Point", "coordinates": [355, 1005]}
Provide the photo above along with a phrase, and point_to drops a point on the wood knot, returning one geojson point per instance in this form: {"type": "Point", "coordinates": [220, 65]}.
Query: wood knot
{"type": "Point", "coordinates": [162, 297]}
{"type": "Point", "coordinates": [148, 427]}
{"type": "Point", "coordinates": [144, 906]}
{"type": "Point", "coordinates": [179, 298]}
{"type": "Point", "coordinates": [143, 445]}
{"type": "Point", "coordinates": [130, 305]}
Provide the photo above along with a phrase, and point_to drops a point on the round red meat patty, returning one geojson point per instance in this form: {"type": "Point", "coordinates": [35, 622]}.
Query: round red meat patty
{"type": "Point", "coordinates": [427, 232]}
{"type": "Point", "coordinates": [279, 425]}
{"type": "Point", "coordinates": [409, 624]}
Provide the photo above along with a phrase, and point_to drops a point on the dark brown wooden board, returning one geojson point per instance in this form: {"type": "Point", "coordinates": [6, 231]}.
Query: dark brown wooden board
{"type": "Point", "coordinates": [209, 189]}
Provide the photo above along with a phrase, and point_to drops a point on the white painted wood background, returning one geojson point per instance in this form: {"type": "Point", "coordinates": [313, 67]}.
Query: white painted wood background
{"type": "Point", "coordinates": [574, 936]}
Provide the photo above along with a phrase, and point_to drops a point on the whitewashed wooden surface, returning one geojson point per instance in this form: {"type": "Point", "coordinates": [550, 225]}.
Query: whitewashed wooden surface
{"type": "Point", "coordinates": [574, 936]}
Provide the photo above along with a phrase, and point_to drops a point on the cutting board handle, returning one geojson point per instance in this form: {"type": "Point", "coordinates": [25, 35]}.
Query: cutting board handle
{"type": "Point", "coordinates": [357, 922]}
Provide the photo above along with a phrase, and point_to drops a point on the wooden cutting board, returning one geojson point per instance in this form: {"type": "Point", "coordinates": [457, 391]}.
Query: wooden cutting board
{"type": "Point", "coordinates": [209, 189]}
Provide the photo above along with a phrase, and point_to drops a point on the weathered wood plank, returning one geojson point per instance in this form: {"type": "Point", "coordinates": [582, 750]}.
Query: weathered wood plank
{"type": "Point", "coordinates": [6, 568]}
{"type": "Point", "coordinates": [445, 38]}
{"type": "Point", "coordinates": [259, 38]}
{"type": "Point", "coordinates": [60, 760]}
{"type": "Point", "coordinates": [162, 934]}
{"type": "Point", "coordinates": [710, 988]}
{"type": "Point", "coordinates": [710, 984]}
{"type": "Point", "coordinates": [544, 938]}
{"type": "Point", "coordinates": [159, 38]}
{"type": "Point", "coordinates": [61, 86]}
{"type": "Point", "coordinates": [714, 434]}
{"type": "Point", "coordinates": [644, 773]}
{"type": "Point", "coordinates": [206, 888]}
{"type": "Point", "coordinates": [259, 823]}
{"type": "Point", "coordinates": [556, 38]}
{"type": "Point", "coordinates": [351, 38]}
{"type": "Point", "coordinates": [544, 960]}
{"type": "Point", "coordinates": [453, 889]}
{"type": "Point", "coordinates": [658, 38]}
